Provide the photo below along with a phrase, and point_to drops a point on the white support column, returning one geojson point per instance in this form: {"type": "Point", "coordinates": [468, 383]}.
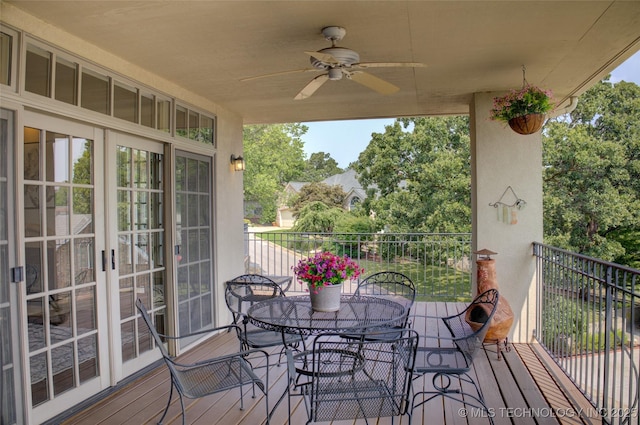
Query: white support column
{"type": "Point", "coordinates": [501, 158]}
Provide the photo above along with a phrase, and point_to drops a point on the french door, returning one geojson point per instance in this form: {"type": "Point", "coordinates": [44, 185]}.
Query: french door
{"type": "Point", "coordinates": [194, 248]}
{"type": "Point", "coordinates": [64, 318]}
{"type": "Point", "coordinates": [94, 237]}
{"type": "Point", "coordinates": [10, 383]}
{"type": "Point", "coordinates": [137, 257]}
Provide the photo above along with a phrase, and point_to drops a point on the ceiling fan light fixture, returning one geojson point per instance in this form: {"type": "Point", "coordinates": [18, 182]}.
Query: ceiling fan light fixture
{"type": "Point", "coordinates": [335, 74]}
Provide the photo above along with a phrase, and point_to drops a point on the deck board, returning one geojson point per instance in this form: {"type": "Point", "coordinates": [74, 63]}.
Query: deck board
{"type": "Point", "coordinates": [525, 379]}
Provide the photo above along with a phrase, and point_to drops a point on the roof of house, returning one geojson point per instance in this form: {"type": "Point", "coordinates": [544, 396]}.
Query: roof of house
{"type": "Point", "coordinates": [347, 180]}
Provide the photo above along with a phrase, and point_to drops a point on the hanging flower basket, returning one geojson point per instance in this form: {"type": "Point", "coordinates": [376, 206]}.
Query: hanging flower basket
{"type": "Point", "coordinates": [527, 124]}
{"type": "Point", "coordinates": [525, 109]}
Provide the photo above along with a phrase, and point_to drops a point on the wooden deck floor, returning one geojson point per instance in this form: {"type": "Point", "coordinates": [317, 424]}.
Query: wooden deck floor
{"type": "Point", "coordinates": [523, 388]}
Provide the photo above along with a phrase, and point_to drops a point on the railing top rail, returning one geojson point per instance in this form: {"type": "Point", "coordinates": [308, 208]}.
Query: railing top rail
{"type": "Point", "coordinates": [630, 270]}
{"type": "Point", "coordinates": [359, 233]}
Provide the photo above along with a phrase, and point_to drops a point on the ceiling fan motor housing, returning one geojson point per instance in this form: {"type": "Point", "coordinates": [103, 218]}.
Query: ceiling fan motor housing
{"type": "Point", "coordinates": [344, 56]}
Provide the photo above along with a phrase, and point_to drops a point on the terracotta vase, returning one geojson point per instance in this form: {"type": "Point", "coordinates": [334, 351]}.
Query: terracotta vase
{"type": "Point", "coordinates": [527, 124]}
{"type": "Point", "coordinates": [326, 298]}
{"type": "Point", "coordinates": [503, 317]}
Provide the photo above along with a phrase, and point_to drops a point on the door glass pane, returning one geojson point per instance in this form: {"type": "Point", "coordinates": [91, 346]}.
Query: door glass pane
{"type": "Point", "coordinates": [89, 362]}
{"type": "Point", "coordinates": [194, 259]}
{"type": "Point", "coordinates": [95, 92]}
{"type": "Point", "coordinates": [39, 378]}
{"type": "Point", "coordinates": [37, 78]}
{"type": "Point", "coordinates": [57, 210]}
{"type": "Point", "coordinates": [57, 157]}
{"type": "Point", "coordinates": [32, 211]}
{"type": "Point", "coordinates": [60, 264]}
{"type": "Point", "coordinates": [82, 160]}
{"type": "Point", "coordinates": [140, 237]}
{"type": "Point", "coordinates": [31, 154]}
{"type": "Point", "coordinates": [66, 81]}
{"type": "Point", "coordinates": [82, 210]}
{"type": "Point", "coordinates": [86, 306]}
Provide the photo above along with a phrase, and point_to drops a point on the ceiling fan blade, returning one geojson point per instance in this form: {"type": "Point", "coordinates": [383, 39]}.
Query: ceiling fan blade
{"type": "Point", "coordinates": [274, 74]}
{"type": "Point", "coordinates": [324, 57]}
{"type": "Point", "coordinates": [311, 88]}
{"type": "Point", "coordinates": [374, 83]}
{"type": "Point", "coordinates": [389, 65]}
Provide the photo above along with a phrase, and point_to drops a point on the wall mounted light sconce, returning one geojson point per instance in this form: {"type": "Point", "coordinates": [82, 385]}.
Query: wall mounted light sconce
{"type": "Point", "coordinates": [237, 162]}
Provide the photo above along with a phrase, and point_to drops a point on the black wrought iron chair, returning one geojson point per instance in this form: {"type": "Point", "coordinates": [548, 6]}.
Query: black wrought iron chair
{"type": "Point", "coordinates": [450, 358]}
{"type": "Point", "coordinates": [242, 292]}
{"type": "Point", "coordinates": [210, 376]}
{"type": "Point", "coordinates": [354, 378]}
{"type": "Point", "coordinates": [392, 285]}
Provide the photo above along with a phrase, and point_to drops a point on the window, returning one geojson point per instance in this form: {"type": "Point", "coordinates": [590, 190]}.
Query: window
{"type": "Point", "coordinates": [147, 110]}
{"type": "Point", "coordinates": [192, 125]}
{"type": "Point", "coordinates": [6, 50]}
{"type": "Point", "coordinates": [38, 71]}
{"type": "Point", "coordinates": [61, 77]}
{"type": "Point", "coordinates": [95, 92]}
{"type": "Point", "coordinates": [66, 81]}
{"type": "Point", "coordinates": [125, 102]}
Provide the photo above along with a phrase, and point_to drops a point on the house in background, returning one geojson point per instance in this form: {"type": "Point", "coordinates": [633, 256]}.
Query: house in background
{"type": "Point", "coordinates": [347, 181]}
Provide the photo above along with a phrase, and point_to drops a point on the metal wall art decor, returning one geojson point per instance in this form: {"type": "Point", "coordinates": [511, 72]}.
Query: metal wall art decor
{"type": "Point", "coordinates": [508, 212]}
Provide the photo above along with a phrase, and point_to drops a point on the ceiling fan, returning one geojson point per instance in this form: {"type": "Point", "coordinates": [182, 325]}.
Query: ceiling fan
{"type": "Point", "coordinates": [339, 62]}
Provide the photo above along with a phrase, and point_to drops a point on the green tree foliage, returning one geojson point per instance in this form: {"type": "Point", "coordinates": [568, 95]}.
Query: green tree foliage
{"type": "Point", "coordinates": [318, 217]}
{"type": "Point", "coordinates": [417, 174]}
{"type": "Point", "coordinates": [330, 195]}
{"type": "Point", "coordinates": [592, 175]}
{"type": "Point", "coordinates": [319, 166]}
{"type": "Point", "coordinates": [274, 156]}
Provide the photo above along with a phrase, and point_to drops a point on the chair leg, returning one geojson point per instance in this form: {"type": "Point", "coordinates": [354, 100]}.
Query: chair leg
{"type": "Point", "coordinates": [184, 414]}
{"type": "Point", "coordinates": [166, 409]}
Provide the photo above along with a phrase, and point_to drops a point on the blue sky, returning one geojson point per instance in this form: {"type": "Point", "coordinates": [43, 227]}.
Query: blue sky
{"type": "Point", "coordinates": [344, 140]}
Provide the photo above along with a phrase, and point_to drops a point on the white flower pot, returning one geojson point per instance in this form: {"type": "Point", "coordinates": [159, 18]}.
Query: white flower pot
{"type": "Point", "coordinates": [327, 298]}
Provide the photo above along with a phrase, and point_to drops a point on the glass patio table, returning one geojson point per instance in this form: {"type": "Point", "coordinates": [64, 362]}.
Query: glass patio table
{"type": "Point", "coordinates": [294, 315]}
{"type": "Point", "coordinates": [356, 314]}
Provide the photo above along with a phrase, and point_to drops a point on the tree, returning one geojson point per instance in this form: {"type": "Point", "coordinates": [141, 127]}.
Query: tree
{"type": "Point", "coordinates": [317, 217]}
{"type": "Point", "coordinates": [418, 175]}
{"type": "Point", "coordinates": [274, 156]}
{"type": "Point", "coordinates": [592, 175]}
{"type": "Point", "coordinates": [331, 196]}
{"type": "Point", "coordinates": [319, 166]}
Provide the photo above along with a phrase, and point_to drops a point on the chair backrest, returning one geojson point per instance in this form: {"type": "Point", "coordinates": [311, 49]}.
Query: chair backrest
{"type": "Point", "coordinates": [242, 291]}
{"type": "Point", "coordinates": [393, 285]}
{"type": "Point", "coordinates": [362, 378]}
{"type": "Point", "coordinates": [470, 326]}
{"type": "Point", "coordinates": [152, 329]}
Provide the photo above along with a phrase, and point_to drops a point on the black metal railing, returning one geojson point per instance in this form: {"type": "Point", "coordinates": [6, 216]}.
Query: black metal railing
{"type": "Point", "coordinates": [588, 319]}
{"type": "Point", "coordinates": [438, 264]}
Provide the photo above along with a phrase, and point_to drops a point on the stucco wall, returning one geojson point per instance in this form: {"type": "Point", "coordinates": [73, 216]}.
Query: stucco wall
{"type": "Point", "coordinates": [503, 158]}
